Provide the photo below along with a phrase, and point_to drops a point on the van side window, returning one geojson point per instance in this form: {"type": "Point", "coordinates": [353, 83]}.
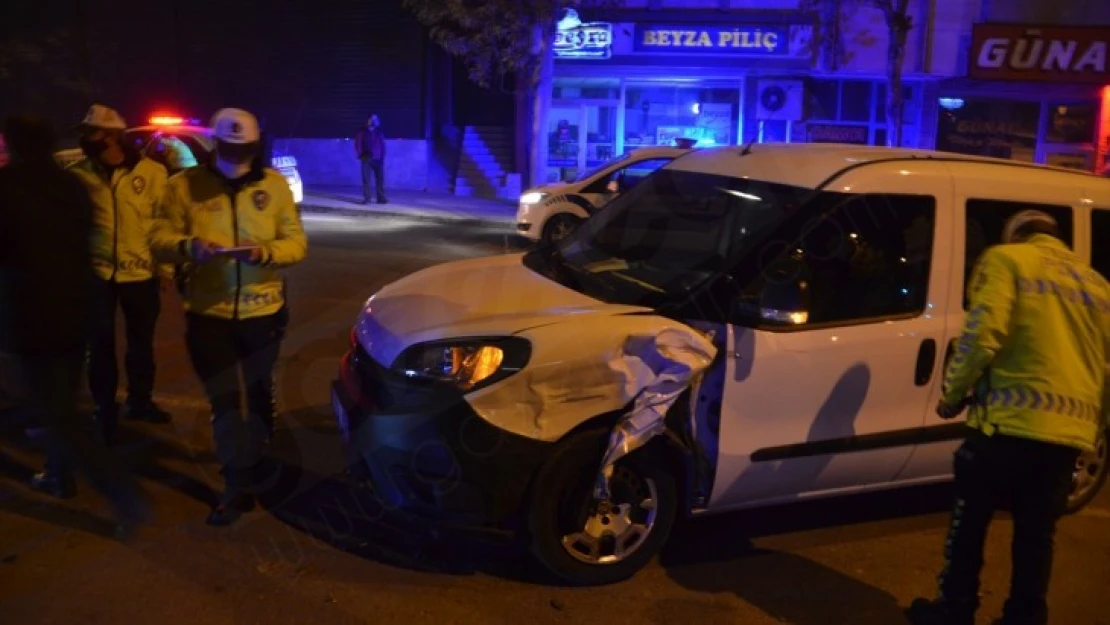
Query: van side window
{"type": "Point", "coordinates": [868, 257]}
{"type": "Point", "coordinates": [1100, 241]}
{"type": "Point", "coordinates": [986, 218]}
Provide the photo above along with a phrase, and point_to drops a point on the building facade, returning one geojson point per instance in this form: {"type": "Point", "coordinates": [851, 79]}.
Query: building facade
{"type": "Point", "coordinates": [1036, 85]}
{"type": "Point", "coordinates": [726, 72]}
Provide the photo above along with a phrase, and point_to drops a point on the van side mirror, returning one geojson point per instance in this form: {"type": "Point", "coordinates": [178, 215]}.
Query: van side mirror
{"type": "Point", "coordinates": [785, 297]}
{"type": "Point", "coordinates": [786, 303]}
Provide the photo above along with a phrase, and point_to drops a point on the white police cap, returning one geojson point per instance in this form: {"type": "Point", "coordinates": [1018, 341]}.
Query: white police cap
{"type": "Point", "coordinates": [100, 116]}
{"type": "Point", "coordinates": [1014, 223]}
{"type": "Point", "coordinates": [235, 126]}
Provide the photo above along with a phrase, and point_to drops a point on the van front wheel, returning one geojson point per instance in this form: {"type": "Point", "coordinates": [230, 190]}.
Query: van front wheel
{"type": "Point", "coordinates": [584, 544]}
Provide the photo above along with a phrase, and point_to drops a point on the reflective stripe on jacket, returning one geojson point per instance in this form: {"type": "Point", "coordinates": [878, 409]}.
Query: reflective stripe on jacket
{"type": "Point", "coordinates": [201, 203]}
{"type": "Point", "coordinates": [1034, 344]}
{"type": "Point", "coordinates": [125, 207]}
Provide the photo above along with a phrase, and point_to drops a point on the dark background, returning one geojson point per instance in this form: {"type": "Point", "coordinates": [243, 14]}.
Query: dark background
{"type": "Point", "coordinates": [311, 69]}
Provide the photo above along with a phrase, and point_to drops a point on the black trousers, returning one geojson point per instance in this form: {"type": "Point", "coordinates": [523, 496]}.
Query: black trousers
{"type": "Point", "coordinates": [53, 385]}
{"type": "Point", "coordinates": [373, 168]}
{"type": "Point", "coordinates": [1033, 479]}
{"type": "Point", "coordinates": [141, 305]}
{"type": "Point", "coordinates": [221, 351]}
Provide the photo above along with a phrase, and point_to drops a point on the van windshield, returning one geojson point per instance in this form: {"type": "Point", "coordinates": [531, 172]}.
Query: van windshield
{"type": "Point", "coordinates": [668, 236]}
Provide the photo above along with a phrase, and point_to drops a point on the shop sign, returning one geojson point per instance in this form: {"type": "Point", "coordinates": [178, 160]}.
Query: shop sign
{"type": "Point", "coordinates": [831, 133]}
{"type": "Point", "coordinates": [737, 40]}
{"type": "Point", "coordinates": [1036, 53]}
{"type": "Point", "coordinates": [575, 39]}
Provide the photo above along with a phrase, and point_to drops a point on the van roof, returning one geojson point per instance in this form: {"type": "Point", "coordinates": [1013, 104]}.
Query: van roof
{"type": "Point", "coordinates": [811, 165]}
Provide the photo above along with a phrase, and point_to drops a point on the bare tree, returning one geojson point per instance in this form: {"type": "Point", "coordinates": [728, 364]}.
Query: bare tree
{"type": "Point", "coordinates": [829, 44]}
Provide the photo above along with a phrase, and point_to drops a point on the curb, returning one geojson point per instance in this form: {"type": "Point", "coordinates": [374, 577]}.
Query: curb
{"type": "Point", "coordinates": [423, 215]}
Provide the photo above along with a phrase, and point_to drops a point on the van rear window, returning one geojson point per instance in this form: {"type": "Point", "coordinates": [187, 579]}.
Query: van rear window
{"type": "Point", "coordinates": [1100, 241]}
{"type": "Point", "coordinates": [986, 218]}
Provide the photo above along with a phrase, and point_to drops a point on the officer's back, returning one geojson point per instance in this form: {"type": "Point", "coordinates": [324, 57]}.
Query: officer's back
{"type": "Point", "coordinates": [1046, 381]}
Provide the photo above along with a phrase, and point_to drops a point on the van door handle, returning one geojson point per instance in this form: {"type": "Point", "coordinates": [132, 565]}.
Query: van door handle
{"type": "Point", "coordinates": [926, 360]}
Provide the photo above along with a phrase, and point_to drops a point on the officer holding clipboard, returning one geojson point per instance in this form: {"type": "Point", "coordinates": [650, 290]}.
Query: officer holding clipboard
{"type": "Point", "coordinates": [233, 221]}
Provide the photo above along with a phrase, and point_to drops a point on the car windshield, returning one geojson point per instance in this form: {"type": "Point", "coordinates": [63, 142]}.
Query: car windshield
{"type": "Point", "coordinates": [174, 150]}
{"type": "Point", "coordinates": [667, 236]}
{"type": "Point", "coordinates": [590, 173]}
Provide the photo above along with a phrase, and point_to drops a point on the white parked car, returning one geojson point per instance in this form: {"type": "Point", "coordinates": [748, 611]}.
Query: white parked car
{"type": "Point", "coordinates": [803, 299]}
{"type": "Point", "coordinates": [550, 212]}
{"type": "Point", "coordinates": [176, 142]}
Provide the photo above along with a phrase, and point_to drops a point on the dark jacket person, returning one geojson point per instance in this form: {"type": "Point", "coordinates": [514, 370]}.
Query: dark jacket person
{"type": "Point", "coordinates": [47, 219]}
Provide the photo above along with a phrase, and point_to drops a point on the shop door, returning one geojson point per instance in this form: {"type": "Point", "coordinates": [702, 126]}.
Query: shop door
{"type": "Point", "coordinates": [582, 135]}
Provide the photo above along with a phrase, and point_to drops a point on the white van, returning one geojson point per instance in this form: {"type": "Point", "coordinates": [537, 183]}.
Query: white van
{"type": "Point", "coordinates": [828, 281]}
{"type": "Point", "coordinates": [550, 212]}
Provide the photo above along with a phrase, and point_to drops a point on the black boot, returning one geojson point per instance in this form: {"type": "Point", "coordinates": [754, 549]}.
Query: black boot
{"type": "Point", "coordinates": [62, 487]}
{"type": "Point", "coordinates": [106, 420]}
{"type": "Point", "coordinates": [940, 612]}
{"type": "Point", "coordinates": [232, 506]}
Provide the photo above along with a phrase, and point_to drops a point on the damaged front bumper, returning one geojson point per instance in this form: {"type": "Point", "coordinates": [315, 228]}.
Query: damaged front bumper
{"type": "Point", "coordinates": [426, 453]}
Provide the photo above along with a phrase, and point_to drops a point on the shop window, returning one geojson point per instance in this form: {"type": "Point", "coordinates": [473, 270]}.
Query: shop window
{"type": "Point", "coordinates": [1100, 241]}
{"type": "Point", "coordinates": [823, 100]}
{"type": "Point", "coordinates": [998, 128]}
{"type": "Point", "coordinates": [1071, 123]}
{"type": "Point", "coordinates": [855, 101]}
{"type": "Point", "coordinates": [659, 114]}
{"type": "Point", "coordinates": [866, 258]}
{"type": "Point", "coordinates": [985, 220]}
{"type": "Point", "coordinates": [586, 89]}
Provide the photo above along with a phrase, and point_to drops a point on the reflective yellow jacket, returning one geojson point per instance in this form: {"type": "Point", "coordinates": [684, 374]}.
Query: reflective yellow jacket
{"type": "Point", "coordinates": [1034, 345]}
{"type": "Point", "coordinates": [125, 209]}
{"type": "Point", "coordinates": [201, 203]}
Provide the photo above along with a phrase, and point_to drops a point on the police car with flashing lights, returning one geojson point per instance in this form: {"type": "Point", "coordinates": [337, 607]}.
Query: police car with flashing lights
{"type": "Point", "coordinates": [178, 143]}
{"type": "Point", "coordinates": [550, 212]}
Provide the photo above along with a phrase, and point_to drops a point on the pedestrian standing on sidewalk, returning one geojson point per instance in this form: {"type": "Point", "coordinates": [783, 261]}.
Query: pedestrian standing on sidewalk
{"type": "Point", "coordinates": [370, 150]}
{"type": "Point", "coordinates": [235, 221]}
{"type": "Point", "coordinates": [125, 187]}
{"type": "Point", "coordinates": [1033, 350]}
{"type": "Point", "coordinates": [45, 223]}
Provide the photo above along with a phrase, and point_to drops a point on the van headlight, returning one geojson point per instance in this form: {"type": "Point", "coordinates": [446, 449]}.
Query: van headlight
{"type": "Point", "coordinates": [532, 197]}
{"type": "Point", "coordinates": [466, 364]}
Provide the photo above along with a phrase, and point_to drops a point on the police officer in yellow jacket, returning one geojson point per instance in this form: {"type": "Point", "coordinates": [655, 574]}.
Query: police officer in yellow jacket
{"type": "Point", "coordinates": [1031, 364]}
{"type": "Point", "coordinates": [125, 187]}
{"type": "Point", "coordinates": [235, 222]}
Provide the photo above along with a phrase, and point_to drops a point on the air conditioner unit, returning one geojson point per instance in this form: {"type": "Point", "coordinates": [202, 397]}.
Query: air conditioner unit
{"type": "Point", "coordinates": [779, 100]}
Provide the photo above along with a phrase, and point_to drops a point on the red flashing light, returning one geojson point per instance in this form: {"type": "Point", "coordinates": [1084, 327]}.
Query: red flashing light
{"type": "Point", "coordinates": [166, 120]}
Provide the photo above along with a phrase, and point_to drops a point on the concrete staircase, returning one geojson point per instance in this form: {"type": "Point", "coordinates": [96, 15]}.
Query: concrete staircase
{"type": "Point", "coordinates": [485, 164]}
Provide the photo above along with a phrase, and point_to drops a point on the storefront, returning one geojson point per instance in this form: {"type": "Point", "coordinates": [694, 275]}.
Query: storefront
{"type": "Point", "coordinates": [725, 79]}
{"type": "Point", "coordinates": [1033, 93]}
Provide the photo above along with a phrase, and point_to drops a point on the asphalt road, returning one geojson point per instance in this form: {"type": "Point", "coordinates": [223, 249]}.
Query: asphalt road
{"type": "Point", "coordinates": [318, 551]}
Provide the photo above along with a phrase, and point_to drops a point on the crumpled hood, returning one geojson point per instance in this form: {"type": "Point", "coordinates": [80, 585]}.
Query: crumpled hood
{"type": "Point", "coordinates": [494, 296]}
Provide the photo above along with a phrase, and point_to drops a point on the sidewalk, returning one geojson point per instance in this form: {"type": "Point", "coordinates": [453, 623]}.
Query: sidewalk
{"type": "Point", "coordinates": [409, 204]}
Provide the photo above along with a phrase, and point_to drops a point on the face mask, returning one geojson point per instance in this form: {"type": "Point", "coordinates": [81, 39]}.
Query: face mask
{"type": "Point", "coordinates": [236, 153]}
{"type": "Point", "coordinates": [93, 149]}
